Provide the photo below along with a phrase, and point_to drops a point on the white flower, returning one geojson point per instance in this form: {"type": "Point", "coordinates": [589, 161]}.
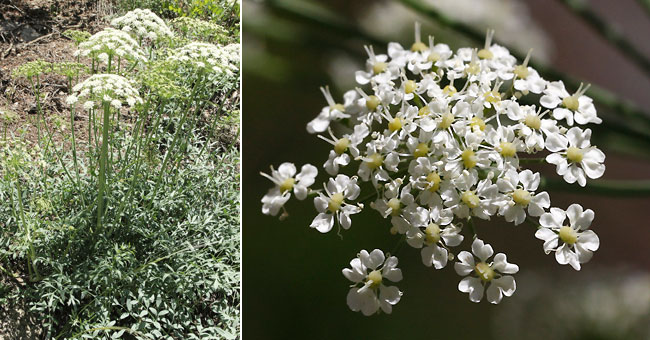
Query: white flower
{"type": "Point", "coordinates": [109, 42]}
{"type": "Point", "coordinates": [573, 244]}
{"type": "Point", "coordinates": [431, 230]}
{"type": "Point", "coordinates": [576, 107]}
{"type": "Point", "coordinates": [532, 125]}
{"type": "Point", "coordinates": [378, 70]}
{"type": "Point", "coordinates": [333, 206]}
{"type": "Point", "coordinates": [485, 274]}
{"type": "Point", "coordinates": [368, 272]}
{"type": "Point", "coordinates": [520, 198]}
{"type": "Point", "coordinates": [143, 24]}
{"type": "Point", "coordinates": [334, 111]}
{"type": "Point", "coordinates": [213, 59]}
{"type": "Point", "coordinates": [286, 181]}
{"type": "Point", "coordinates": [471, 199]}
{"type": "Point", "coordinates": [105, 88]}
{"type": "Point", "coordinates": [574, 156]}
{"type": "Point", "coordinates": [71, 99]}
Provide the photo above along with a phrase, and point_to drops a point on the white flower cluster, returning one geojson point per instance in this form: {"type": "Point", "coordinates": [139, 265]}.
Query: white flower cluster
{"type": "Point", "coordinates": [439, 137]}
{"type": "Point", "coordinates": [104, 89]}
{"type": "Point", "coordinates": [142, 24]}
{"type": "Point", "coordinates": [111, 42]}
{"type": "Point", "coordinates": [209, 57]}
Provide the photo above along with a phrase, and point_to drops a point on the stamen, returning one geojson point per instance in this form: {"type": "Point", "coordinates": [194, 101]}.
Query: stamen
{"type": "Point", "coordinates": [328, 96]}
{"type": "Point", "coordinates": [418, 45]}
{"type": "Point", "coordinates": [485, 53]}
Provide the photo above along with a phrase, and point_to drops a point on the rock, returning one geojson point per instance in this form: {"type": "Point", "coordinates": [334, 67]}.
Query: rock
{"type": "Point", "coordinates": [27, 33]}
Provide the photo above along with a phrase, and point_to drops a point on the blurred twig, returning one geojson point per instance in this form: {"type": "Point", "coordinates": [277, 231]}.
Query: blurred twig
{"type": "Point", "coordinates": [645, 4]}
{"type": "Point", "coordinates": [618, 188]}
{"type": "Point", "coordinates": [609, 32]}
{"type": "Point", "coordinates": [307, 12]}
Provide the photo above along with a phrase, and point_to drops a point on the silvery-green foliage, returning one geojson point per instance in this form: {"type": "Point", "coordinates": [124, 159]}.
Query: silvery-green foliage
{"type": "Point", "coordinates": [197, 29]}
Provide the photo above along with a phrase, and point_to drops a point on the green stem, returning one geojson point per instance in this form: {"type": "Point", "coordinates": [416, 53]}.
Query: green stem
{"type": "Point", "coordinates": [470, 223]}
{"type": "Point", "coordinates": [607, 31]}
{"type": "Point", "coordinates": [103, 159]}
{"type": "Point", "coordinates": [617, 188]}
{"type": "Point", "coordinates": [72, 133]}
{"type": "Point", "coordinates": [31, 266]}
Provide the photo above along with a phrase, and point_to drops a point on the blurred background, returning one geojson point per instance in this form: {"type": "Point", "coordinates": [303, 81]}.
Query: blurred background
{"type": "Point", "coordinates": [292, 282]}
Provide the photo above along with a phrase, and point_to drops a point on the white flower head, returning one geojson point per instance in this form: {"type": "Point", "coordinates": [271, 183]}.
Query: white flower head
{"type": "Point", "coordinates": [105, 88]}
{"type": "Point", "coordinates": [143, 24]}
{"type": "Point", "coordinates": [440, 138]}
{"type": "Point", "coordinates": [575, 157]}
{"type": "Point", "coordinates": [334, 205]}
{"type": "Point", "coordinates": [483, 274]}
{"type": "Point", "coordinates": [573, 244]}
{"type": "Point", "coordinates": [369, 273]}
{"type": "Point", "coordinates": [287, 181]}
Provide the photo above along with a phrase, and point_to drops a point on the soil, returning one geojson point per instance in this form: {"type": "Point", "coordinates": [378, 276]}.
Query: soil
{"type": "Point", "coordinates": [32, 30]}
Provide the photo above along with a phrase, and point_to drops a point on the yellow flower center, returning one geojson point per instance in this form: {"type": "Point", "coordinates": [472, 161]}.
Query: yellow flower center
{"type": "Point", "coordinates": [571, 102]}
{"type": "Point", "coordinates": [574, 154]}
{"type": "Point", "coordinates": [379, 67]}
{"type": "Point", "coordinates": [432, 233]}
{"type": "Point", "coordinates": [521, 71]}
{"type": "Point", "coordinates": [341, 145]}
{"type": "Point", "coordinates": [375, 161]}
{"type": "Point", "coordinates": [492, 96]}
{"type": "Point", "coordinates": [421, 150]}
{"type": "Point", "coordinates": [477, 123]}
{"type": "Point", "coordinates": [434, 181]}
{"type": "Point", "coordinates": [507, 149]}
{"type": "Point", "coordinates": [375, 277]}
{"type": "Point", "coordinates": [287, 184]}
{"type": "Point", "coordinates": [469, 158]}
{"type": "Point", "coordinates": [433, 57]}
{"type": "Point", "coordinates": [533, 121]}
{"type": "Point", "coordinates": [410, 86]}
{"type": "Point", "coordinates": [372, 102]}
{"type": "Point", "coordinates": [521, 197]}
{"type": "Point", "coordinates": [335, 202]}
{"type": "Point", "coordinates": [395, 124]}
{"type": "Point", "coordinates": [568, 235]}
{"type": "Point", "coordinates": [419, 47]}
{"type": "Point", "coordinates": [470, 199]}
{"type": "Point", "coordinates": [449, 90]}
{"type": "Point", "coordinates": [424, 111]}
{"type": "Point", "coordinates": [338, 107]}
{"type": "Point", "coordinates": [473, 68]}
{"type": "Point", "coordinates": [395, 205]}
{"type": "Point", "coordinates": [446, 121]}
{"type": "Point", "coordinates": [484, 271]}
{"type": "Point", "coordinates": [485, 54]}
